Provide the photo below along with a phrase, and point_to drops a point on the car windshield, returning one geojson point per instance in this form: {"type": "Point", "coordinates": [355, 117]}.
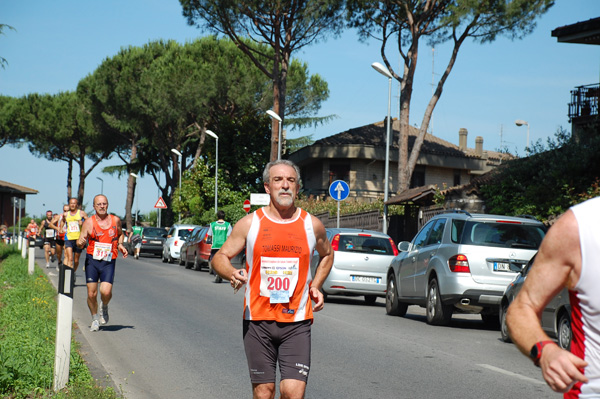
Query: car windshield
{"type": "Point", "coordinates": [365, 244]}
{"type": "Point", "coordinates": [184, 232]}
{"type": "Point", "coordinates": [150, 232]}
{"type": "Point", "coordinates": [497, 234]}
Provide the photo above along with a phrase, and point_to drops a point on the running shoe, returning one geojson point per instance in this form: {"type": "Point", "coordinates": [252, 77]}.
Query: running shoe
{"type": "Point", "coordinates": [218, 279]}
{"type": "Point", "coordinates": [47, 265]}
{"type": "Point", "coordinates": [95, 325]}
{"type": "Point", "coordinates": [52, 258]}
{"type": "Point", "coordinates": [104, 314]}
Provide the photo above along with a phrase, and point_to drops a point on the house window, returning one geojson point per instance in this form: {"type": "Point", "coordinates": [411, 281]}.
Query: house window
{"type": "Point", "coordinates": [339, 172]}
{"type": "Point", "coordinates": [457, 178]}
{"type": "Point", "coordinates": [418, 177]}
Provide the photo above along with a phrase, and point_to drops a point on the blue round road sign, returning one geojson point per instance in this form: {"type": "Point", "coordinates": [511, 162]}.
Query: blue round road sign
{"type": "Point", "coordinates": [339, 190]}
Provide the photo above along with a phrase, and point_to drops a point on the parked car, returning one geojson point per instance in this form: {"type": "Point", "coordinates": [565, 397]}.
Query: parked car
{"type": "Point", "coordinates": [152, 240]}
{"type": "Point", "coordinates": [196, 249]}
{"type": "Point", "coordinates": [556, 317]}
{"type": "Point", "coordinates": [461, 262]}
{"type": "Point", "coordinates": [174, 239]}
{"type": "Point", "coordinates": [360, 263]}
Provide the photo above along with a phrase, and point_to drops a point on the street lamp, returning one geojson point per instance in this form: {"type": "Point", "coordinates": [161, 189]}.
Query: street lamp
{"type": "Point", "coordinates": [521, 122]}
{"type": "Point", "coordinates": [157, 192]}
{"type": "Point", "coordinates": [273, 115]}
{"type": "Point", "coordinates": [213, 135]}
{"type": "Point", "coordinates": [385, 72]}
{"type": "Point", "coordinates": [137, 203]}
{"type": "Point", "coordinates": [174, 151]}
{"type": "Point", "coordinates": [101, 186]}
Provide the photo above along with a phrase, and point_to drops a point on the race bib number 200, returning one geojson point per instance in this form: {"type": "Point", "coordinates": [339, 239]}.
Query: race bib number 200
{"type": "Point", "coordinates": [278, 278]}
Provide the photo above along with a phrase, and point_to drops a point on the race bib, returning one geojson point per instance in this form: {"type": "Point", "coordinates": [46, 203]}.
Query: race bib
{"type": "Point", "coordinates": [278, 278]}
{"type": "Point", "coordinates": [49, 233]}
{"type": "Point", "coordinates": [102, 251]}
{"type": "Point", "coordinates": [73, 227]}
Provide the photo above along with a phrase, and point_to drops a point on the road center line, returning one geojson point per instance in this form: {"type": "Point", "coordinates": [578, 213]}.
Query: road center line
{"type": "Point", "coordinates": [509, 373]}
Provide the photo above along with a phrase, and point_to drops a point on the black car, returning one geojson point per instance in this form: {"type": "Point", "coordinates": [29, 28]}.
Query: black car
{"type": "Point", "coordinates": [556, 317]}
{"type": "Point", "coordinates": [152, 240]}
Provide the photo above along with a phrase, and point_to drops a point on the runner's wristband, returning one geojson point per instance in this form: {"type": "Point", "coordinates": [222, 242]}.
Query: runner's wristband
{"type": "Point", "coordinates": [536, 351]}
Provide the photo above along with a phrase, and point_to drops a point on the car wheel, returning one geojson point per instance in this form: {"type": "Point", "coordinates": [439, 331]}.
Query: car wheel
{"type": "Point", "coordinates": [438, 314]}
{"type": "Point", "coordinates": [187, 264]}
{"type": "Point", "coordinates": [164, 258]}
{"type": "Point", "coordinates": [196, 263]}
{"type": "Point", "coordinates": [370, 299]}
{"type": "Point", "coordinates": [392, 306]}
{"type": "Point", "coordinates": [182, 257]}
{"type": "Point", "coordinates": [491, 320]}
{"type": "Point", "coordinates": [170, 258]}
{"type": "Point", "coordinates": [564, 331]}
{"type": "Point", "coordinates": [503, 326]}
{"type": "Point", "coordinates": [210, 268]}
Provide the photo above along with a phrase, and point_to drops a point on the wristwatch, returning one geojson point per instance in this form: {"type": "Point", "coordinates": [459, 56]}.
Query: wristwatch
{"type": "Point", "coordinates": [536, 351]}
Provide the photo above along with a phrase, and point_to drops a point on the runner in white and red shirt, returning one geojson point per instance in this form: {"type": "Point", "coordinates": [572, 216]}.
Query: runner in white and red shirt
{"type": "Point", "coordinates": [567, 257]}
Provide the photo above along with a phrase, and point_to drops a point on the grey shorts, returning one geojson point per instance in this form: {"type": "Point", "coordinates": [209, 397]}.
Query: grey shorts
{"type": "Point", "coordinates": [268, 342]}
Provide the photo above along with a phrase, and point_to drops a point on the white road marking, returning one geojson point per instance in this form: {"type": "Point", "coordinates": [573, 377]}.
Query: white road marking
{"type": "Point", "coordinates": [509, 373]}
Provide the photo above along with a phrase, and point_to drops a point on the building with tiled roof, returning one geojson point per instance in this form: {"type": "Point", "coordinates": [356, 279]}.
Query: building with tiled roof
{"type": "Point", "coordinates": [11, 195]}
{"type": "Point", "coordinates": [357, 156]}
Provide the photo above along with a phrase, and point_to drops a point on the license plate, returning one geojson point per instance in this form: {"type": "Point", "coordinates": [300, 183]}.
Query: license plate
{"type": "Point", "coordinates": [155, 242]}
{"type": "Point", "coordinates": [366, 279]}
{"type": "Point", "coordinates": [501, 267]}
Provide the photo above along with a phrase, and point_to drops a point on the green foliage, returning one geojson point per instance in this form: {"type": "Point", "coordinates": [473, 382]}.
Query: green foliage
{"type": "Point", "coordinates": [27, 333]}
{"type": "Point", "coordinates": [549, 181]}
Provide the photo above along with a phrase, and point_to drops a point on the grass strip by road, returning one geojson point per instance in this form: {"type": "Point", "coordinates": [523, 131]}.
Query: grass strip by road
{"type": "Point", "coordinates": [27, 337]}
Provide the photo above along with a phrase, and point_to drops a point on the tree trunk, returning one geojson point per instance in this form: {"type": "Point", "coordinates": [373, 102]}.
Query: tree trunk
{"type": "Point", "coordinates": [130, 187]}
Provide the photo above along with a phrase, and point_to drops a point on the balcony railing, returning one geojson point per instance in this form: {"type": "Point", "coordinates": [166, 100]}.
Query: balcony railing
{"type": "Point", "coordinates": [584, 101]}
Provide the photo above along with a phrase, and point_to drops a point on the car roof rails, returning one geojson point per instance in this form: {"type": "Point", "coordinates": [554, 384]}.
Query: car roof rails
{"type": "Point", "coordinates": [458, 211]}
{"type": "Point", "coordinates": [527, 217]}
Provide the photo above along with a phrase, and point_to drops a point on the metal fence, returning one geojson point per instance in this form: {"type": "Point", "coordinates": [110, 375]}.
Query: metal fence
{"type": "Point", "coordinates": [366, 220]}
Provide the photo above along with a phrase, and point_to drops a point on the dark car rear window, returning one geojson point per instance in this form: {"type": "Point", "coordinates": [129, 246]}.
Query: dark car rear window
{"type": "Point", "coordinates": [184, 232]}
{"type": "Point", "coordinates": [153, 232]}
{"type": "Point", "coordinates": [498, 234]}
{"type": "Point", "coordinates": [365, 244]}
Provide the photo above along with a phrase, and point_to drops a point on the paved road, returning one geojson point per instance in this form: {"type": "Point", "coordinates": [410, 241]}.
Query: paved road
{"type": "Point", "coordinates": [173, 333]}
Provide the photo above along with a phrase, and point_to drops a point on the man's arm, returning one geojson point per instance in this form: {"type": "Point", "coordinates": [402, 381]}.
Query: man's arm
{"type": "Point", "coordinates": [325, 263]}
{"type": "Point", "coordinates": [235, 243]}
{"type": "Point", "coordinates": [557, 264]}
{"type": "Point", "coordinates": [120, 245]}
{"type": "Point", "coordinates": [86, 228]}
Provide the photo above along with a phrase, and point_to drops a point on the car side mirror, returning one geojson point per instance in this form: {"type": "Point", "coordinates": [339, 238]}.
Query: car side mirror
{"type": "Point", "coordinates": [404, 246]}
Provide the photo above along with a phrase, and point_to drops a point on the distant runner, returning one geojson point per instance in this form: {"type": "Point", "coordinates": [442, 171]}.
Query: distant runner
{"type": "Point", "coordinates": [105, 237]}
{"type": "Point", "coordinates": [73, 220]}
{"type": "Point", "coordinates": [49, 235]}
{"type": "Point", "coordinates": [219, 231]}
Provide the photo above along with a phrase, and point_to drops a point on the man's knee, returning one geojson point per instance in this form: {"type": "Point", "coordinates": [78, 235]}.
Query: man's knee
{"type": "Point", "coordinates": [263, 391]}
{"type": "Point", "coordinates": [292, 389]}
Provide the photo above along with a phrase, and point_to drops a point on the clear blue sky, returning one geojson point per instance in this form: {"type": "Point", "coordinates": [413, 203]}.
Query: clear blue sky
{"type": "Point", "coordinates": [58, 43]}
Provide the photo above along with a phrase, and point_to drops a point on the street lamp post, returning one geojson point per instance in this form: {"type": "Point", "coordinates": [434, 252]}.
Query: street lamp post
{"type": "Point", "coordinates": [137, 204]}
{"type": "Point", "coordinates": [174, 151]}
{"type": "Point", "coordinates": [213, 135]}
{"type": "Point", "coordinates": [273, 115]}
{"type": "Point", "coordinates": [101, 185]}
{"type": "Point", "coordinates": [521, 122]}
{"type": "Point", "coordinates": [385, 72]}
{"type": "Point", "coordinates": [157, 192]}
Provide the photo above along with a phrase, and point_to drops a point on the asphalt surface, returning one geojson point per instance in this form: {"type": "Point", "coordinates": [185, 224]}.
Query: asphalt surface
{"type": "Point", "coordinates": [173, 333]}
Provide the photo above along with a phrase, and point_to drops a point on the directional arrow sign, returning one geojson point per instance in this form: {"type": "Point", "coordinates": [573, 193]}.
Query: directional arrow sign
{"type": "Point", "coordinates": [339, 190]}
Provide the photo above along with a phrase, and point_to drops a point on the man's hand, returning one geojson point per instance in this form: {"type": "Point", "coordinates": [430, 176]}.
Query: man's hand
{"type": "Point", "coordinates": [123, 250]}
{"type": "Point", "coordinates": [237, 279]}
{"type": "Point", "coordinates": [318, 298]}
{"type": "Point", "coordinates": [561, 369]}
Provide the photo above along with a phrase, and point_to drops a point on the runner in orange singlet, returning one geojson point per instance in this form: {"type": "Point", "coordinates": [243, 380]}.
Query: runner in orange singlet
{"type": "Point", "coordinates": [278, 312]}
{"type": "Point", "coordinates": [105, 236]}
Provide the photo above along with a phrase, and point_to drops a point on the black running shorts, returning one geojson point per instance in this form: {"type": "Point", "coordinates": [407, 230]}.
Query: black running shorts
{"type": "Point", "coordinates": [102, 270]}
{"type": "Point", "coordinates": [268, 342]}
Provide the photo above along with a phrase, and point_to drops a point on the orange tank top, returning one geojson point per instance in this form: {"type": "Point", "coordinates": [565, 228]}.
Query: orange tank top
{"type": "Point", "coordinates": [278, 258]}
{"type": "Point", "coordinates": [103, 243]}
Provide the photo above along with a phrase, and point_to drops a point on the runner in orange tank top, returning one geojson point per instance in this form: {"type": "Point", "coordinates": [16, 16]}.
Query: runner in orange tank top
{"type": "Point", "coordinates": [105, 237]}
{"type": "Point", "coordinates": [280, 290]}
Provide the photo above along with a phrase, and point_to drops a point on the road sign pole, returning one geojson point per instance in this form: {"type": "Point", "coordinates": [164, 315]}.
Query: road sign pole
{"type": "Point", "coordinates": [64, 322]}
{"type": "Point", "coordinates": [338, 215]}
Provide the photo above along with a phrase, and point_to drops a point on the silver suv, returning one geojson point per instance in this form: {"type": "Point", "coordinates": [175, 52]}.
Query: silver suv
{"type": "Point", "coordinates": [461, 262]}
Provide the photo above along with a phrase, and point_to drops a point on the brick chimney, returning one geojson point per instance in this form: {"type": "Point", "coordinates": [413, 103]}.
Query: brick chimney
{"type": "Point", "coordinates": [479, 146]}
{"type": "Point", "coordinates": [462, 138]}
